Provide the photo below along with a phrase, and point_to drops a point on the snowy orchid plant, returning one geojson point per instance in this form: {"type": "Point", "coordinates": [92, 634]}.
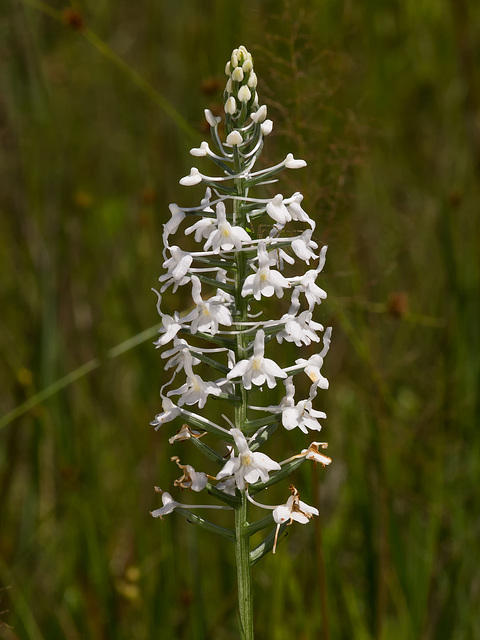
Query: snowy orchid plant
{"type": "Point", "coordinates": [244, 255]}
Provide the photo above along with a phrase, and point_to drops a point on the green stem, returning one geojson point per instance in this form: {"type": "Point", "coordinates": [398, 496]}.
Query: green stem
{"type": "Point", "coordinates": [244, 571]}
{"type": "Point", "coordinates": [242, 538]}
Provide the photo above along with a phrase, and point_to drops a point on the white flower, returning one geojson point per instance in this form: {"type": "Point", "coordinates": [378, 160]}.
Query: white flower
{"type": "Point", "coordinates": [177, 216]}
{"type": "Point", "coordinates": [265, 282]}
{"type": "Point", "coordinates": [170, 412]}
{"type": "Point", "coordinates": [203, 228]}
{"type": "Point", "coordinates": [208, 314]}
{"type": "Point", "coordinates": [171, 326]}
{"type": "Point", "coordinates": [312, 368]}
{"type": "Point", "coordinates": [300, 415]}
{"type": "Point", "coordinates": [293, 509]}
{"type": "Point", "coordinates": [177, 269]}
{"type": "Point", "coordinates": [195, 390]}
{"type": "Point", "coordinates": [303, 416]}
{"type": "Point", "coordinates": [225, 237]}
{"type": "Point", "coordinates": [185, 433]}
{"type": "Point", "coordinates": [313, 365]}
{"type": "Point", "coordinates": [296, 211]}
{"type": "Point", "coordinates": [257, 369]}
{"type": "Point", "coordinates": [278, 211]}
{"type": "Point", "coordinates": [228, 486]}
{"type": "Point", "coordinates": [306, 283]}
{"type": "Point", "coordinates": [298, 329]}
{"type": "Point", "coordinates": [303, 245]}
{"type": "Point", "coordinates": [191, 479]}
{"type": "Point", "coordinates": [312, 453]}
{"type": "Point", "coordinates": [169, 505]}
{"type": "Point", "coordinates": [248, 466]}
{"type": "Point", "coordinates": [313, 293]}
{"type": "Point", "coordinates": [180, 356]}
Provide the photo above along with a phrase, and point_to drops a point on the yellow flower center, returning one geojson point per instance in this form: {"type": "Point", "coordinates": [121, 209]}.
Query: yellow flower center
{"type": "Point", "coordinates": [246, 459]}
{"type": "Point", "coordinates": [263, 273]}
{"type": "Point", "coordinates": [257, 364]}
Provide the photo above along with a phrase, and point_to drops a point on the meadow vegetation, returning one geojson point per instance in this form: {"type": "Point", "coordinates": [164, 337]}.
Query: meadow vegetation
{"type": "Point", "coordinates": [99, 104]}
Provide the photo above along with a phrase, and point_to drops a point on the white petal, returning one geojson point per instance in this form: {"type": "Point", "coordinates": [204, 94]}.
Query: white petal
{"type": "Point", "coordinates": [169, 505]}
{"type": "Point", "coordinates": [290, 419]}
{"type": "Point", "coordinates": [240, 441]}
{"type": "Point", "coordinates": [281, 514]}
{"type": "Point", "coordinates": [239, 369]}
{"type": "Point", "coordinates": [299, 517]}
{"type": "Point", "coordinates": [262, 460]}
{"type": "Point", "coordinates": [252, 474]}
{"type": "Point", "coordinates": [272, 368]}
{"type": "Point", "coordinates": [229, 469]}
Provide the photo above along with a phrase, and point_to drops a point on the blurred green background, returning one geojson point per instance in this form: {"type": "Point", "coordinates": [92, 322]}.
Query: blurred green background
{"type": "Point", "coordinates": [100, 102]}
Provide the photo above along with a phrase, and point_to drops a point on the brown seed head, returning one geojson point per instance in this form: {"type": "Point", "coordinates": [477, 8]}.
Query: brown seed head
{"type": "Point", "coordinates": [73, 18]}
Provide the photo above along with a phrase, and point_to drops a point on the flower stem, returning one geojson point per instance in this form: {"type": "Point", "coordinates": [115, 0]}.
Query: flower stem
{"type": "Point", "coordinates": [242, 538]}
{"type": "Point", "coordinates": [244, 570]}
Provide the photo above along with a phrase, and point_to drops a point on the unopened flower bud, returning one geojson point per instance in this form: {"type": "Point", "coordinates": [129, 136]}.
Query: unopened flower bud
{"type": "Point", "coordinates": [237, 75]}
{"type": "Point", "coordinates": [211, 119]}
{"type": "Point", "coordinates": [230, 105]}
{"type": "Point", "coordinates": [247, 65]}
{"type": "Point", "coordinates": [234, 60]}
{"type": "Point", "coordinates": [228, 69]}
{"type": "Point", "coordinates": [244, 94]}
{"type": "Point", "coordinates": [229, 85]}
{"type": "Point", "coordinates": [267, 127]}
{"type": "Point", "coordinates": [194, 177]}
{"type": "Point", "coordinates": [259, 115]}
{"type": "Point", "coordinates": [292, 163]}
{"type": "Point", "coordinates": [252, 81]}
{"type": "Point", "coordinates": [234, 138]}
{"type": "Point", "coordinates": [200, 151]}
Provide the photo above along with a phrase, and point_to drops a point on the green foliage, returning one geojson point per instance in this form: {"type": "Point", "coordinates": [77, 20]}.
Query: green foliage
{"type": "Point", "coordinates": [98, 108]}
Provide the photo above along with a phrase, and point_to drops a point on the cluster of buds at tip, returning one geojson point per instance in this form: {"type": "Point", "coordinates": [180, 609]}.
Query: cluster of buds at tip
{"type": "Point", "coordinates": [225, 349]}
